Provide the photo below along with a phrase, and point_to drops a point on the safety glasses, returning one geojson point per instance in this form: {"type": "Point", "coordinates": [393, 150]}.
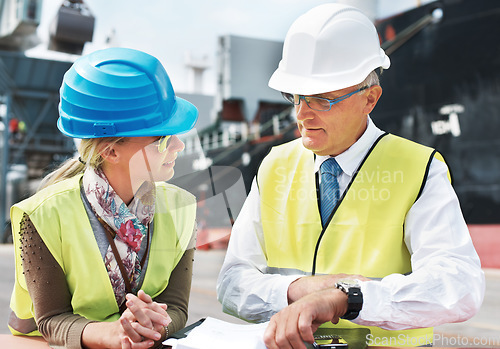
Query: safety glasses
{"type": "Point", "coordinates": [162, 143]}
{"type": "Point", "coordinates": [318, 103]}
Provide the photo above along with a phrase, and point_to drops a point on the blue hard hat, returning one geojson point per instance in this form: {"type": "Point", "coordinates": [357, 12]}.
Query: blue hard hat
{"type": "Point", "coordinates": [120, 92]}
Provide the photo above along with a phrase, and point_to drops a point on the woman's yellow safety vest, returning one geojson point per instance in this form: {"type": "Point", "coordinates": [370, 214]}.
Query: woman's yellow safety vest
{"type": "Point", "coordinates": [60, 218]}
{"type": "Point", "coordinates": [365, 234]}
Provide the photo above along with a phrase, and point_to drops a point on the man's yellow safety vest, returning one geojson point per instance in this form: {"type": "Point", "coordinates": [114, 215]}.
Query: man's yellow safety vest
{"type": "Point", "coordinates": [60, 218]}
{"type": "Point", "coordinates": [365, 234]}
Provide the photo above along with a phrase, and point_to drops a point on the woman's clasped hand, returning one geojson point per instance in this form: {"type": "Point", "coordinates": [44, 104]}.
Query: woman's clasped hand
{"type": "Point", "coordinates": [143, 322]}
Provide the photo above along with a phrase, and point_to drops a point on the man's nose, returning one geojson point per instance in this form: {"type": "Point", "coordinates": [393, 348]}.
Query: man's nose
{"type": "Point", "coordinates": [303, 111]}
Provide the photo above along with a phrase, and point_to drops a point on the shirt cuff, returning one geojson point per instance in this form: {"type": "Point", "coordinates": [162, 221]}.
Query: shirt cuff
{"type": "Point", "coordinates": [74, 338]}
{"type": "Point", "coordinates": [371, 296]}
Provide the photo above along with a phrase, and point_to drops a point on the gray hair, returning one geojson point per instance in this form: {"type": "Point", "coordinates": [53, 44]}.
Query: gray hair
{"type": "Point", "coordinates": [371, 80]}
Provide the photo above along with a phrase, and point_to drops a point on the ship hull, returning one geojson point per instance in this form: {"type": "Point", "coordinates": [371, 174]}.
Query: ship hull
{"type": "Point", "coordinates": [443, 90]}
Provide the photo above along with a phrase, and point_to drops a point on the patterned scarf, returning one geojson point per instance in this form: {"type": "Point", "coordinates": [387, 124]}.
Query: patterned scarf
{"type": "Point", "coordinates": [129, 222]}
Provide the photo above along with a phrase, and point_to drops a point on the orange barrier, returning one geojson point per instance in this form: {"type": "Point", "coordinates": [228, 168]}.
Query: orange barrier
{"type": "Point", "coordinates": [486, 239]}
{"type": "Point", "coordinates": [213, 238]}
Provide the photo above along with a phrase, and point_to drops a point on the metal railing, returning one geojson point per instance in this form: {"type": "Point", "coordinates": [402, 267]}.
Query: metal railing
{"type": "Point", "coordinates": [232, 136]}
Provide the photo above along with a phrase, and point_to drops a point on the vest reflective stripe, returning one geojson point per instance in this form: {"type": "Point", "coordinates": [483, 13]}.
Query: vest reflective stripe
{"type": "Point", "coordinates": [62, 222]}
{"type": "Point", "coordinates": [287, 271]}
{"type": "Point", "coordinates": [365, 234]}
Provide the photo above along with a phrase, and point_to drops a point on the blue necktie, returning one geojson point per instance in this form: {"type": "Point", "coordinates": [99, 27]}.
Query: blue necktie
{"type": "Point", "coordinates": [329, 187]}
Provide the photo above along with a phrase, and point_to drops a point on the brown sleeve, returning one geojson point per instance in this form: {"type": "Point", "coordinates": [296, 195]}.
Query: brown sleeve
{"type": "Point", "coordinates": [176, 295]}
{"type": "Point", "coordinates": [49, 291]}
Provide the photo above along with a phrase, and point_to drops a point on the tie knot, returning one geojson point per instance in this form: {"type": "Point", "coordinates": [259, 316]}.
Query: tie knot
{"type": "Point", "coordinates": [331, 166]}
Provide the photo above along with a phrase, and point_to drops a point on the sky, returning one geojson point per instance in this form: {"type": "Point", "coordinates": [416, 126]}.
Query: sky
{"type": "Point", "coordinates": [172, 29]}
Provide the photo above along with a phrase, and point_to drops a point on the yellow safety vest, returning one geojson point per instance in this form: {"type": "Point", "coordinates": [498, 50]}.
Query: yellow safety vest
{"type": "Point", "coordinates": [60, 218]}
{"type": "Point", "coordinates": [366, 232]}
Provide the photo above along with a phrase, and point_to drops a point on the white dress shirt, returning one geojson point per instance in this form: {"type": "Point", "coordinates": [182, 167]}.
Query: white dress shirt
{"type": "Point", "coordinates": [446, 283]}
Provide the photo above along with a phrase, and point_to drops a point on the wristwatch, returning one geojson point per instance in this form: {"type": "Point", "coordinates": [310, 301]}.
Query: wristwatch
{"type": "Point", "coordinates": [354, 297]}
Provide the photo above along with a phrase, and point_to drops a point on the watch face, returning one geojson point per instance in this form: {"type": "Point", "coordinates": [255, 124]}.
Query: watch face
{"type": "Point", "coordinates": [348, 282]}
{"type": "Point", "coordinates": [354, 297]}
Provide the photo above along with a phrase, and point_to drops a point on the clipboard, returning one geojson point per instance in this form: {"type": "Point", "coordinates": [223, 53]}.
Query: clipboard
{"type": "Point", "coordinates": [185, 331]}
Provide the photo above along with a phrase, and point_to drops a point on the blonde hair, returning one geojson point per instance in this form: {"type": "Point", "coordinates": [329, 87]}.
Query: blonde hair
{"type": "Point", "coordinates": [89, 151]}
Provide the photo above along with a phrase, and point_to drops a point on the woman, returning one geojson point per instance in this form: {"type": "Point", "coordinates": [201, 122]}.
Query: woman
{"type": "Point", "coordinates": [105, 249]}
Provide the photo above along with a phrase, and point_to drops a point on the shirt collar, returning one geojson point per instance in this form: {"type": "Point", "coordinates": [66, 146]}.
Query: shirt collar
{"type": "Point", "coordinates": [350, 159]}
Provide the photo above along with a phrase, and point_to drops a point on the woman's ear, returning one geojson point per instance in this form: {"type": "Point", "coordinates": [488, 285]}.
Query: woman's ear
{"type": "Point", "coordinates": [109, 152]}
{"type": "Point", "coordinates": [372, 95]}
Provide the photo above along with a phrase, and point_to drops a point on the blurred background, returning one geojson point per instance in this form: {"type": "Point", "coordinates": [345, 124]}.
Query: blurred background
{"type": "Point", "coordinates": [442, 90]}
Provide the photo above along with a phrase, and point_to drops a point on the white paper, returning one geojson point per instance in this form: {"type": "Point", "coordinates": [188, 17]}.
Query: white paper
{"type": "Point", "coordinates": [172, 342]}
{"type": "Point", "coordinates": [214, 333]}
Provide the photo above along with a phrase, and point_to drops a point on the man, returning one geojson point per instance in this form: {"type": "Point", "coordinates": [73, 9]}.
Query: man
{"type": "Point", "coordinates": [347, 221]}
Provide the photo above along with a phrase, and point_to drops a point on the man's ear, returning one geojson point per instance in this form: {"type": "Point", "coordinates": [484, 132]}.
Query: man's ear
{"type": "Point", "coordinates": [372, 95]}
{"type": "Point", "coordinates": [110, 153]}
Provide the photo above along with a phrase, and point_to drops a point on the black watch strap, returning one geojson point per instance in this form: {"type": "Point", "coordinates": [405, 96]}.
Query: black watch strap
{"type": "Point", "coordinates": [354, 300]}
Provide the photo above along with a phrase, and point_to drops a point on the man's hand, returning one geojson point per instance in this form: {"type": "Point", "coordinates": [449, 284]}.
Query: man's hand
{"type": "Point", "coordinates": [296, 323]}
{"type": "Point", "coordinates": [310, 284]}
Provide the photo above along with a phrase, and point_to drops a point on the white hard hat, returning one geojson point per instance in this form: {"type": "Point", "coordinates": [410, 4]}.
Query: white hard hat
{"type": "Point", "coordinates": [330, 47]}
